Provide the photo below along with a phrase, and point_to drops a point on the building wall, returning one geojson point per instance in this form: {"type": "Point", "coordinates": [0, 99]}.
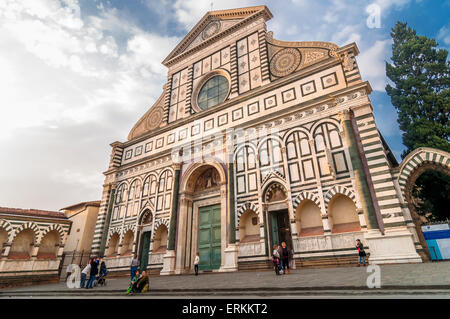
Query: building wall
{"type": "Point", "coordinates": [296, 94]}
{"type": "Point", "coordinates": [35, 236]}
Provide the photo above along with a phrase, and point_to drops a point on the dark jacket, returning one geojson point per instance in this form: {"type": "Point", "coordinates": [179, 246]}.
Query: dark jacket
{"type": "Point", "coordinates": [103, 270]}
{"type": "Point", "coordinates": [94, 268]}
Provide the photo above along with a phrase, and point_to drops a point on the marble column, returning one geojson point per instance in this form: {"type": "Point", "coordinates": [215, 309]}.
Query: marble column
{"type": "Point", "coordinates": [169, 257]}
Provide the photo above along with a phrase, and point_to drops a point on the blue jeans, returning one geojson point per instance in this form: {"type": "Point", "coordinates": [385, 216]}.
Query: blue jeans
{"type": "Point", "coordinates": [362, 258]}
{"type": "Point", "coordinates": [90, 282]}
{"type": "Point", "coordinates": [82, 281]}
{"type": "Point", "coordinates": [133, 271]}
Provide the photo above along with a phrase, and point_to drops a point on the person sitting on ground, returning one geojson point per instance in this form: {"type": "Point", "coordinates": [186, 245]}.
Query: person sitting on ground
{"type": "Point", "coordinates": [142, 284]}
{"type": "Point", "coordinates": [133, 281]}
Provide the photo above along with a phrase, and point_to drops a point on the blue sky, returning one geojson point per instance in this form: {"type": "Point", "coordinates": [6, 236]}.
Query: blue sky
{"type": "Point", "coordinates": [77, 75]}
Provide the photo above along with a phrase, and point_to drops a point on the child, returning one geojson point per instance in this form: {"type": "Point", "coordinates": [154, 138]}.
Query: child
{"type": "Point", "coordinates": [196, 261]}
{"type": "Point", "coordinates": [133, 281]}
{"type": "Point", "coordinates": [276, 259]}
{"type": "Point", "coordinates": [361, 252]}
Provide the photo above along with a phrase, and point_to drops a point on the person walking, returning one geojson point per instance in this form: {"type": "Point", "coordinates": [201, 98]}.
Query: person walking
{"type": "Point", "coordinates": [84, 273]}
{"type": "Point", "coordinates": [134, 266]}
{"type": "Point", "coordinates": [276, 259]}
{"type": "Point", "coordinates": [285, 257]}
{"type": "Point", "coordinates": [361, 252]}
{"type": "Point", "coordinates": [196, 261]}
{"type": "Point", "coordinates": [93, 273]}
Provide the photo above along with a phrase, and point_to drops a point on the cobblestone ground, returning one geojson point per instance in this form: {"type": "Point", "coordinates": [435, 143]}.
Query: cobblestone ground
{"type": "Point", "coordinates": [420, 276]}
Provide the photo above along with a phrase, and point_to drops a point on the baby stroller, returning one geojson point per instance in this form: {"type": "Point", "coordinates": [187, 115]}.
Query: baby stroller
{"type": "Point", "coordinates": [101, 280]}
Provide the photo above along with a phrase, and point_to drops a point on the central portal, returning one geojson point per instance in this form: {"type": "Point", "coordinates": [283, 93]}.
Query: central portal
{"type": "Point", "coordinates": [209, 239]}
{"type": "Point", "coordinates": [281, 232]}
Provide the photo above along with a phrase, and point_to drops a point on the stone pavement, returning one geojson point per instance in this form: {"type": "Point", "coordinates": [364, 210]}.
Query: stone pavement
{"type": "Point", "coordinates": [426, 276]}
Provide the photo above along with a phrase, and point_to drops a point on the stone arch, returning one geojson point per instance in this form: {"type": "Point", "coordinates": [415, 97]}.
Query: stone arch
{"type": "Point", "coordinates": [342, 214]}
{"type": "Point", "coordinates": [145, 214]}
{"type": "Point", "coordinates": [113, 244]}
{"type": "Point", "coordinates": [305, 196]}
{"type": "Point", "coordinates": [56, 227]}
{"type": "Point", "coordinates": [249, 230]}
{"type": "Point", "coordinates": [308, 218]}
{"type": "Point", "coordinates": [163, 221]}
{"type": "Point", "coordinates": [196, 169]}
{"type": "Point", "coordinates": [327, 120]}
{"type": "Point", "coordinates": [112, 231]}
{"type": "Point", "coordinates": [49, 245]}
{"type": "Point", "coordinates": [160, 238]}
{"type": "Point", "coordinates": [271, 188]}
{"type": "Point", "coordinates": [296, 129]}
{"type": "Point", "coordinates": [416, 162]}
{"type": "Point", "coordinates": [273, 176]}
{"type": "Point", "coordinates": [245, 207]}
{"type": "Point", "coordinates": [339, 189]}
{"type": "Point", "coordinates": [127, 240]}
{"type": "Point", "coordinates": [25, 239]}
{"type": "Point", "coordinates": [411, 168]}
{"type": "Point", "coordinates": [8, 228]}
{"type": "Point", "coordinates": [28, 225]}
{"type": "Point", "coordinates": [128, 227]}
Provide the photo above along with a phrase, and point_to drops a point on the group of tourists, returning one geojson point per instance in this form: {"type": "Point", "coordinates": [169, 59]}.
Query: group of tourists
{"type": "Point", "coordinates": [282, 258]}
{"type": "Point", "coordinates": [92, 270]}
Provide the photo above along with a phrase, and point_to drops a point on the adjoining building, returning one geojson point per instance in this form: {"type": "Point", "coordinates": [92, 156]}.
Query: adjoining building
{"type": "Point", "coordinates": [79, 240]}
{"type": "Point", "coordinates": [255, 141]}
{"type": "Point", "coordinates": [32, 243]}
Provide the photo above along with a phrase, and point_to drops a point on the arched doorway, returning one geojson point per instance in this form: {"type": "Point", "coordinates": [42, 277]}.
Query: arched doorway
{"type": "Point", "coordinates": [424, 180]}
{"type": "Point", "coordinates": [202, 218]}
{"type": "Point", "coordinates": [276, 202]}
{"type": "Point", "coordinates": [145, 234]}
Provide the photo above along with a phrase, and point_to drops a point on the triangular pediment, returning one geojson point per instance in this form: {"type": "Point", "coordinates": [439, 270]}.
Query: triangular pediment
{"type": "Point", "coordinates": [212, 25]}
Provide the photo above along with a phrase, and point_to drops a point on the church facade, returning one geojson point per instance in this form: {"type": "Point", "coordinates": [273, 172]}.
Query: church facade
{"type": "Point", "coordinates": [255, 141]}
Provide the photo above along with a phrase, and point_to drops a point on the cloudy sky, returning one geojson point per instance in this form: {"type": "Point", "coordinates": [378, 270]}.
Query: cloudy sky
{"type": "Point", "coordinates": [75, 76]}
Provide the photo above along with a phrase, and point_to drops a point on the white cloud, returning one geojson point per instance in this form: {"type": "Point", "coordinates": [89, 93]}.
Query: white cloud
{"type": "Point", "coordinates": [69, 88]}
{"type": "Point", "coordinates": [372, 64]}
{"type": "Point", "coordinates": [444, 34]}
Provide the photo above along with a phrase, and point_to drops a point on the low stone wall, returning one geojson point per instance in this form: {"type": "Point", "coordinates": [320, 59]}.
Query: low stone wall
{"type": "Point", "coordinates": [24, 272]}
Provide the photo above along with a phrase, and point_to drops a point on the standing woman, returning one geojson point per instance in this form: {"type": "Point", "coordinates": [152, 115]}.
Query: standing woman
{"type": "Point", "coordinates": [196, 261]}
{"type": "Point", "coordinates": [361, 252]}
{"type": "Point", "coordinates": [134, 266]}
{"type": "Point", "coordinates": [285, 256]}
{"type": "Point", "coordinates": [94, 272]}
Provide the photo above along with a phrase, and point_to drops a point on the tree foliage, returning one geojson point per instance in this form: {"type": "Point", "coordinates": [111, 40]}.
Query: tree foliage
{"type": "Point", "coordinates": [420, 73]}
{"type": "Point", "coordinates": [421, 92]}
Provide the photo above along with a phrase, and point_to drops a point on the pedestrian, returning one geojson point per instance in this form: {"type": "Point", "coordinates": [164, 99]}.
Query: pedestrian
{"type": "Point", "coordinates": [285, 257]}
{"type": "Point", "coordinates": [196, 261]}
{"type": "Point", "coordinates": [93, 273]}
{"type": "Point", "coordinates": [361, 252]}
{"type": "Point", "coordinates": [276, 259]}
{"type": "Point", "coordinates": [84, 273]}
{"type": "Point", "coordinates": [134, 266]}
{"type": "Point", "coordinates": [280, 261]}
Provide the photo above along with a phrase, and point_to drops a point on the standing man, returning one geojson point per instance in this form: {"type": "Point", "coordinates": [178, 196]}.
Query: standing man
{"type": "Point", "coordinates": [134, 266]}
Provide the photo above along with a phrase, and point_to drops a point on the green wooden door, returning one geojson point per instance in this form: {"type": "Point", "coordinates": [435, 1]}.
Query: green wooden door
{"type": "Point", "coordinates": [274, 228]}
{"type": "Point", "coordinates": [209, 245]}
{"type": "Point", "coordinates": [145, 249]}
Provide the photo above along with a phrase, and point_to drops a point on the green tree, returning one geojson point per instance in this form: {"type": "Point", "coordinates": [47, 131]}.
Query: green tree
{"type": "Point", "coordinates": [421, 94]}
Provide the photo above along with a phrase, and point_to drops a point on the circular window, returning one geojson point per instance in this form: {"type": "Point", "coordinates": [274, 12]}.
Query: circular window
{"type": "Point", "coordinates": [213, 92]}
